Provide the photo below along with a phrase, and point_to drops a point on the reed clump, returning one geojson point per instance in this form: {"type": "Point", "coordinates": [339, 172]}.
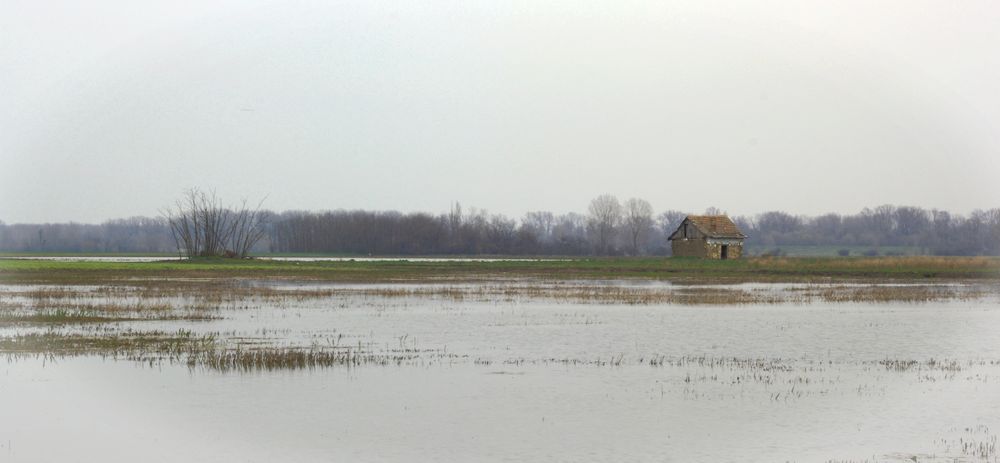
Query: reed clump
{"type": "Point", "coordinates": [124, 343]}
{"type": "Point", "coordinates": [59, 316]}
{"type": "Point", "coordinates": [212, 351]}
{"type": "Point", "coordinates": [242, 360]}
{"type": "Point", "coordinates": [904, 365]}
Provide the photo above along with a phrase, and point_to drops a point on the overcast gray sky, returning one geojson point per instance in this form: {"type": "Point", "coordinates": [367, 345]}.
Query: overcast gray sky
{"type": "Point", "coordinates": [112, 108]}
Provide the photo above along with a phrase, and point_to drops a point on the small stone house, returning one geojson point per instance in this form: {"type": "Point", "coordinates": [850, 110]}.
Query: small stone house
{"type": "Point", "coordinates": [708, 236]}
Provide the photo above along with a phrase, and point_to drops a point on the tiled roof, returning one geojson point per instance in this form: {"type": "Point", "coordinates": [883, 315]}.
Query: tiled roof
{"type": "Point", "coordinates": [716, 226]}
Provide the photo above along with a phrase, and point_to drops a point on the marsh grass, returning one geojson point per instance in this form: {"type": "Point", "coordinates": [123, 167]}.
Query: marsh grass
{"type": "Point", "coordinates": [203, 300]}
{"type": "Point", "coordinates": [970, 444]}
{"type": "Point", "coordinates": [897, 293]}
{"type": "Point", "coordinates": [97, 311]}
{"type": "Point", "coordinates": [66, 306]}
{"type": "Point", "coordinates": [898, 365]}
{"type": "Point", "coordinates": [269, 359]}
{"type": "Point", "coordinates": [211, 351]}
{"type": "Point", "coordinates": [781, 379]}
{"type": "Point", "coordinates": [595, 292]}
{"type": "Point", "coordinates": [59, 316]}
{"type": "Point", "coordinates": [128, 343]}
{"type": "Point", "coordinates": [71, 317]}
{"type": "Point", "coordinates": [27, 305]}
{"type": "Point", "coordinates": [599, 293]}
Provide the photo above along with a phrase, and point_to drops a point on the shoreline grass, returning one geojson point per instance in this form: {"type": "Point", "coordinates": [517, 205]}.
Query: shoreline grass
{"type": "Point", "coordinates": [765, 269]}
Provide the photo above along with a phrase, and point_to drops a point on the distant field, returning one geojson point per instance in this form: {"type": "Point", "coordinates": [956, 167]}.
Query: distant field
{"type": "Point", "coordinates": [833, 251]}
{"type": "Point", "coordinates": [83, 254]}
{"type": "Point", "coordinates": [750, 269]}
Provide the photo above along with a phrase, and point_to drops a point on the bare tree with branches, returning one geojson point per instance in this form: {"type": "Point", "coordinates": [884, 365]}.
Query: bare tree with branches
{"type": "Point", "coordinates": [605, 216]}
{"type": "Point", "coordinates": [246, 228]}
{"type": "Point", "coordinates": [638, 220]}
{"type": "Point", "coordinates": [202, 227]}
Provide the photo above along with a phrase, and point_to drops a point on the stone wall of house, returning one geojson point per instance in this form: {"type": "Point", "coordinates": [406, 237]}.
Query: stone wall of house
{"type": "Point", "coordinates": [688, 248]}
{"type": "Point", "coordinates": [706, 249]}
{"type": "Point", "coordinates": [736, 251]}
{"type": "Point", "coordinates": [714, 250]}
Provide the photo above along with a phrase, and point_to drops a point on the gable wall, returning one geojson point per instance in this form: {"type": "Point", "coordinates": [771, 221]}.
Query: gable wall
{"type": "Point", "coordinates": [692, 231]}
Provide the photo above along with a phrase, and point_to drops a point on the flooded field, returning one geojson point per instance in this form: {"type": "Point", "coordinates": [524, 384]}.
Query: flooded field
{"type": "Point", "coordinates": [503, 370]}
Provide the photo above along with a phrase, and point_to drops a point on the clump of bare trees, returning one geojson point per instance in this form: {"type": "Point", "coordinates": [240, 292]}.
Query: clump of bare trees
{"type": "Point", "coordinates": [608, 219]}
{"type": "Point", "coordinates": [203, 227]}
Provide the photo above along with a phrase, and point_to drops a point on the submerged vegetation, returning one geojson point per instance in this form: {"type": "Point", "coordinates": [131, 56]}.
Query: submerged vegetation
{"type": "Point", "coordinates": [131, 344]}
{"type": "Point", "coordinates": [209, 351]}
{"type": "Point", "coordinates": [112, 319]}
{"type": "Point", "coordinates": [202, 299]}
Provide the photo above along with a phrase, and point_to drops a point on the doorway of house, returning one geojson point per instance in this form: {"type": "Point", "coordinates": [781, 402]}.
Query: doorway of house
{"type": "Point", "coordinates": [725, 251]}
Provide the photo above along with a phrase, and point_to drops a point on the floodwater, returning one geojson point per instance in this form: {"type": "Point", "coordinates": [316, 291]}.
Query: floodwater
{"type": "Point", "coordinates": [532, 379]}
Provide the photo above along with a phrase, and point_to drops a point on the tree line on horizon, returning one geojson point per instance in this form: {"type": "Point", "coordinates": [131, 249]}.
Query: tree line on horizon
{"type": "Point", "coordinates": [610, 227]}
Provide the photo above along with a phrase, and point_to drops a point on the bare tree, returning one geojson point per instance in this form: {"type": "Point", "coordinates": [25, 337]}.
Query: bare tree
{"type": "Point", "coordinates": [202, 226]}
{"type": "Point", "coordinates": [501, 232]}
{"type": "Point", "coordinates": [455, 222]}
{"type": "Point", "coordinates": [569, 234]}
{"type": "Point", "coordinates": [638, 220]}
{"type": "Point", "coordinates": [668, 221]}
{"type": "Point", "coordinates": [541, 223]}
{"type": "Point", "coordinates": [246, 228]}
{"type": "Point", "coordinates": [605, 216]}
